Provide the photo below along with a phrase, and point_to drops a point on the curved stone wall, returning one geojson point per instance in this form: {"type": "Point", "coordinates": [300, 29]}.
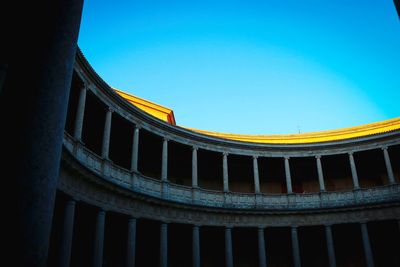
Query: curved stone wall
{"type": "Point", "coordinates": [88, 174]}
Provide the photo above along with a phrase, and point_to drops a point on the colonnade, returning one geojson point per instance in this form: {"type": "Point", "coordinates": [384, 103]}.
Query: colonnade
{"type": "Point", "coordinates": [79, 120]}
{"type": "Point", "coordinates": [98, 242]}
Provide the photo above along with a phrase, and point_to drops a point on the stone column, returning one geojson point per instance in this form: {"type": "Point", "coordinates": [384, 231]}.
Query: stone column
{"type": "Point", "coordinates": [164, 245]}
{"type": "Point", "coordinates": [295, 247]}
{"type": "Point", "coordinates": [354, 171]}
{"type": "Point", "coordinates": [228, 247]}
{"type": "Point", "coordinates": [106, 134]}
{"type": "Point", "coordinates": [330, 246]}
{"type": "Point", "coordinates": [262, 258]}
{"type": "Point", "coordinates": [388, 166]}
{"type": "Point", "coordinates": [256, 175]}
{"type": "Point", "coordinates": [369, 259]}
{"type": "Point", "coordinates": [131, 243]}
{"type": "Point", "coordinates": [135, 149]}
{"type": "Point", "coordinates": [225, 171]}
{"type": "Point", "coordinates": [33, 109]}
{"type": "Point", "coordinates": [194, 168]}
{"type": "Point", "coordinates": [196, 246]}
{"type": "Point", "coordinates": [67, 233]}
{"type": "Point", "coordinates": [99, 239]}
{"type": "Point", "coordinates": [80, 112]}
{"type": "Point", "coordinates": [320, 174]}
{"type": "Point", "coordinates": [164, 164]}
{"type": "Point", "coordinates": [288, 176]}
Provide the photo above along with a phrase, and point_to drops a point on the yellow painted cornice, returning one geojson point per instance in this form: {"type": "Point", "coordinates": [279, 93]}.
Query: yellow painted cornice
{"type": "Point", "coordinates": [312, 137]}
{"type": "Point", "coordinates": [158, 111]}
{"type": "Point", "coordinates": [167, 115]}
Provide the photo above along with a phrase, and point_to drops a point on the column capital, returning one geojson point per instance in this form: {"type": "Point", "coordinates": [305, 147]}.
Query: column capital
{"type": "Point", "coordinates": [166, 138]}
{"type": "Point", "coordinates": [350, 153]}
{"type": "Point", "coordinates": [138, 127]}
{"type": "Point", "coordinates": [110, 109]}
{"type": "Point", "coordinates": [286, 157]}
{"type": "Point", "coordinates": [85, 86]}
{"type": "Point", "coordinates": [255, 157]}
{"type": "Point", "coordinates": [318, 156]}
{"type": "Point", "coordinates": [195, 148]}
{"type": "Point", "coordinates": [384, 148]}
{"type": "Point", "coordinates": [225, 154]}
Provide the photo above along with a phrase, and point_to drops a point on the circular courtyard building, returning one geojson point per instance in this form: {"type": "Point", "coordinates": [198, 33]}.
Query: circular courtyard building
{"type": "Point", "coordinates": [137, 190]}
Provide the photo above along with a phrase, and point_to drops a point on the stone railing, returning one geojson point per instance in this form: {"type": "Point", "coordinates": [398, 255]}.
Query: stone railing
{"type": "Point", "coordinates": [141, 184]}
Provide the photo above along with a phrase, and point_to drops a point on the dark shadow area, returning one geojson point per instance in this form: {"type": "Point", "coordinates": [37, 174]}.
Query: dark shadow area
{"type": "Point", "coordinates": [179, 245]}
{"type": "Point", "coordinates": [245, 247]}
{"type": "Point", "coordinates": [272, 175]}
{"type": "Point", "coordinates": [384, 237]}
{"type": "Point", "coordinates": [337, 172]}
{"type": "Point", "coordinates": [313, 248]}
{"type": "Point", "coordinates": [371, 169]}
{"type": "Point", "coordinates": [348, 245]}
{"type": "Point", "coordinates": [115, 239]}
{"type": "Point", "coordinates": [147, 243]}
{"type": "Point", "coordinates": [209, 169]}
{"type": "Point", "coordinates": [93, 123]}
{"type": "Point", "coordinates": [121, 139]}
{"type": "Point", "coordinates": [84, 230]}
{"type": "Point", "coordinates": [240, 171]}
{"type": "Point", "coordinates": [212, 246]}
{"type": "Point", "coordinates": [179, 163]}
{"type": "Point", "coordinates": [150, 153]}
{"type": "Point", "coordinates": [304, 175]}
{"type": "Point", "coordinates": [278, 247]}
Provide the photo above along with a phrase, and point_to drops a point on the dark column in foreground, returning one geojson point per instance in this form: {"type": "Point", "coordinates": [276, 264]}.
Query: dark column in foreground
{"type": "Point", "coordinates": [39, 42]}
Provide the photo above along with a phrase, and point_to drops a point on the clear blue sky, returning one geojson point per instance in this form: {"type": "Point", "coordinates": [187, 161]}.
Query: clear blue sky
{"type": "Point", "coordinates": [258, 67]}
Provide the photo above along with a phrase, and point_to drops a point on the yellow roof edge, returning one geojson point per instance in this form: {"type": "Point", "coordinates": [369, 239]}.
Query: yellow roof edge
{"type": "Point", "coordinates": [149, 107]}
{"type": "Point", "coordinates": [311, 137]}
{"type": "Point", "coordinates": [142, 101]}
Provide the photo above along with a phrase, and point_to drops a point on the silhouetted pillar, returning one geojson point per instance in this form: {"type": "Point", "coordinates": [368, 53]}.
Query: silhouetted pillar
{"type": "Point", "coordinates": [354, 171]}
{"type": "Point", "coordinates": [164, 164]}
{"type": "Point", "coordinates": [164, 245]}
{"type": "Point", "coordinates": [330, 246]}
{"type": "Point", "coordinates": [80, 113]}
{"type": "Point", "coordinates": [369, 259]}
{"type": "Point", "coordinates": [38, 48]}
{"type": "Point", "coordinates": [256, 175]}
{"type": "Point", "coordinates": [388, 166]}
{"type": "Point", "coordinates": [320, 174]}
{"type": "Point", "coordinates": [295, 247]}
{"type": "Point", "coordinates": [196, 246]}
{"type": "Point", "coordinates": [262, 258]}
{"type": "Point", "coordinates": [67, 232]}
{"type": "Point", "coordinates": [106, 134]}
{"type": "Point", "coordinates": [99, 239]}
{"type": "Point", "coordinates": [135, 149]}
{"type": "Point", "coordinates": [228, 247]}
{"type": "Point", "coordinates": [194, 167]}
{"type": "Point", "coordinates": [225, 171]}
{"type": "Point", "coordinates": [288, 176]}
{"type": "Point", "coordinates": [131, 244]}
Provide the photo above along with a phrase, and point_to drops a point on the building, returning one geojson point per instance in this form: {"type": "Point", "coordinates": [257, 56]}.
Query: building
{"type": "Point", "coordinates": [134, 190]}
{"type": "Point", "coordinates": [137, 188]}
